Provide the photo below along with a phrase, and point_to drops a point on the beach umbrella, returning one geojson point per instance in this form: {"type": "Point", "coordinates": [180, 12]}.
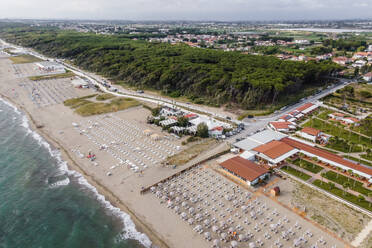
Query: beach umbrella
{"type": "Point", "coordinates": [191, 221]}
{"type": "Point", "coordinates": [171, 193]}
{"type": "Point", "coordinates": [231, 230]}
{"type": "Point", "coordinates": [177, 199]}
{"type": "Point", "coordinates": [184, 204]}
{"type": "Point", "coordinates": [234, 244]}
{"type": "Point", "coordinates": [241, 237]}
{"type": "Point", "coordinates": [223, 235]}
{"type": "Point", "coordinates": [216, 243]}
{"type": "Point", "coordinates": [177, 209]}
{"type": "Point", "coordinates": [207, 235]}
{"type": "Point", "coordinates": [215, 228]}
{"type": "Point", "coordinates": [152, 189]}
{"type": "Point", "coordinates": [206, 222]}
{"type": "Point", "coordinates": [183, 215]}
{"type": "Point", "coordinates": [191, 210]}
{"type": "Point", "coordinates": [170, 204]}
{"type": "Point", "coordinates": [252, 245]}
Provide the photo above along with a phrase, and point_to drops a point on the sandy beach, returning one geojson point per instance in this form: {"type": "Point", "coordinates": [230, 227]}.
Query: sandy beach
{"type": "Point", "coordinates": [124, 134]}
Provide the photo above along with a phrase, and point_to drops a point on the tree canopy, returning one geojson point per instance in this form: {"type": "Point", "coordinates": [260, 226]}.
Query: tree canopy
{"type": "Point", "coordinates": [205, 76]}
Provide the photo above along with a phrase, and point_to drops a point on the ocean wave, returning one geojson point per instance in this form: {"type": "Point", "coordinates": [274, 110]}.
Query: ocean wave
{"type": "Point", "coordinates": [129, 230]}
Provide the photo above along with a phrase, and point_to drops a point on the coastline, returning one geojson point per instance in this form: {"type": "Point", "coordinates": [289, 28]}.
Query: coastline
{"type": "Point", "coordinates": [109, 196]}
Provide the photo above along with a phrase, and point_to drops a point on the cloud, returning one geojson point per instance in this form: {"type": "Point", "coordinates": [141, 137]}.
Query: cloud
{"type": "Point", "coordinates": [187, 9]}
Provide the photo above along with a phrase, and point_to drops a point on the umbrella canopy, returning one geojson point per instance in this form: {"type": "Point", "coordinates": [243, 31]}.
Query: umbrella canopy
{"type": "Point", "coordinates": [216, 242]}
{"type": "Point", "coordinates": [215, 228]}
{"type": "Point", "coordinates": [223, 235]}
{"type": "Point", "coordinates": [234, 244]}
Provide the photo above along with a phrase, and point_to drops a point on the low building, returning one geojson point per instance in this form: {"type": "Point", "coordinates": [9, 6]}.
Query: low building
{"type": "Point", "coordinates": [336, 116]}
{"type": "Point", "coordinates": [246, 170]}
{"type": "Point", "coordinates": [307, 108]}
{"type": "Point", "coordinates": [368, 77]}
{"type": "Point", "coordinates": [191, 116]}
{"type": "Point", "coordinates": [275, 152]}
{"type": "Point", "coordinates": [342, 60]}
{"type": "Point", "coordinates": [48, 66]}
{"type": "Point", "coordinates": [310, 133]}
{"type": "Point", "coordinates": [168, 122]}
{"type": "Point", "coordinates": [282, 126]}
{"type": "Point", "coordinates": [216, 131]}
{"type": "Point", "coordinates": [350, 121]}
{"type": "Point", "coordinates": [258, 139]}
{"type": "Point", "coordinates": [329, 158]}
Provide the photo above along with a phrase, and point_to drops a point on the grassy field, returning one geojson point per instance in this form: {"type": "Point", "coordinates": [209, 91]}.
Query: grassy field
{"type": "Point", "coordinates": [308, 166]}
{"type": "Point", "coordinates": [367, 156]}
{"type": "Point", "coordinates": [296, 173]}
{"type": "Point", "coordinates": [344, 195]}
{"type": "Point", "coordinates": [324, 114]}
{"type": "Point", "coordinates": [104, 97]}
{"type": "Point", "coordinates": [53, 76]}
{"type": "Point", "coordinates": [84, 107]}
{"type": "Point", "coordinates": [341, 179]}
{"type": "Point", "coordinates": [191, 152]}
{"type": "Point", "coordinates": [340, 132]}
{"type": "Point", "coordinates": [23, 59]}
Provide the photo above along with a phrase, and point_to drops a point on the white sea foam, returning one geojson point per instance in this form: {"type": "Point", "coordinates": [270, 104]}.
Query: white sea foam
{"type": "Point", "coordinates": [129, 231]}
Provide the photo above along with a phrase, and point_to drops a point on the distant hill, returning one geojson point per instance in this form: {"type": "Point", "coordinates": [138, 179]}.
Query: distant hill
{"type": "Point", "coordinates": [207, 76]}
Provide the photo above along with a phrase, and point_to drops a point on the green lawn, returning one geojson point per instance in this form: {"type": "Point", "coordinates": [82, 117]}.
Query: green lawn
{"type": "Point", "coordinates": [104, 97]}
{"type": "Point", "coordinates": [340, 132]}
{"type": "Point", "coordinates": [341, 179]}
{"type": "Point", "coordinates": [308, 166]}
{"type": "Point", "coordinates": [324, 114]}
{"type": "Point", "coordinates": [296, 173]}
{"type": "Point", "coordinates": [344, 195]}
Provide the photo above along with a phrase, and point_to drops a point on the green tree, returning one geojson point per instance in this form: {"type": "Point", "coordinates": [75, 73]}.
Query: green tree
{"type": "Point", "coordinates": [182, 121]}
{"type": "Point", "coordinates": [202, 130]}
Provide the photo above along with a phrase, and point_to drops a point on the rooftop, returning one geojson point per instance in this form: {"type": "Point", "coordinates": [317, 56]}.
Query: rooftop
{"type": "Point", "coordinates": [274, 149]}
{"type": "Point", "coordinates": [327, 155]}
{"type": "Point", "coordinates": [311, 131]}
{"type": "Point", "coordinates": [244, 168]}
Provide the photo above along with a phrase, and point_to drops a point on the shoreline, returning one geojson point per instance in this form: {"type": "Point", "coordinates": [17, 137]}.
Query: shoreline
{"type": "Point", "coordinates": [140, 225]}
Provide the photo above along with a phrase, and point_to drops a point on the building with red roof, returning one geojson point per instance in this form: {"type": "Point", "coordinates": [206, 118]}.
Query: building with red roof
{"type": "Point", "coordinates": [282, 126]}
{"type": "Point", "coordinates": [274, 152]}
{"type": "Point", "coordinates": [329, 158]}
{"type": "Point", "coordinates": [245, 169]}
{"type": "Point", "coordinates": [310, 133]}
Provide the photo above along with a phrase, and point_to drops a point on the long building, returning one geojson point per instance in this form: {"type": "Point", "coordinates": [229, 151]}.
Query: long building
{"type": "Point", "coordinates": [329, 158]}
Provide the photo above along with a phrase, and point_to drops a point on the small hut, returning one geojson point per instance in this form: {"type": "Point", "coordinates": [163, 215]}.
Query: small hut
{"type": "Point", "coordinates": [275, 191]}
{"type": "Point", "coordinates": [147, 132]}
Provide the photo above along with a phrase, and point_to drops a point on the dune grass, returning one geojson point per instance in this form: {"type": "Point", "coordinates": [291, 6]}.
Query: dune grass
{"type": "Point", "coordinates": [52, 76]}
{"type": "Point", "coordinates": [25, 58]}
{"type": "Point", "coordinates": [84, 107]}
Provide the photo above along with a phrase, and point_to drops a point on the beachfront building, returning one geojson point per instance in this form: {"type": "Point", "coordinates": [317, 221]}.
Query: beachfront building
{"type": "Point", "coordinates": [368, 77]}
{"type": "Point", "coordinates": [166, 111]}
{"type": "Point", "coordinates": [48, 66]}
{"type": "Point", "coordinates": [216, 131]}
{"type": "Point", "coordinates": [274, 153]}
{"type": "Point", "coordinates": [310, 133]}
{"type": "Point", "coordinates": [282, 126]}
{"type": "Point", "coordinates": [329, 158]}
{"type": "Point", "coordinates": [246, 170]}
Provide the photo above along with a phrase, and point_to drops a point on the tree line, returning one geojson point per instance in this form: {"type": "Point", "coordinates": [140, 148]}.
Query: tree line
{"type": "Point", "coordinates": [206, 76]}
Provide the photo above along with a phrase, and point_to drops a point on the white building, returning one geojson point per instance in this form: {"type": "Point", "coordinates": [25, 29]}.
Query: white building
{"type": "Point", "coordinates": [310, 133]}
{"type": "Point", "coordinates": [368, 77]}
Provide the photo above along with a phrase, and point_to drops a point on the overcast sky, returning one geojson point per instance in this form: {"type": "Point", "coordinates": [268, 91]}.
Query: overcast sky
{"type": "Point", "coordinates": [187, 9]}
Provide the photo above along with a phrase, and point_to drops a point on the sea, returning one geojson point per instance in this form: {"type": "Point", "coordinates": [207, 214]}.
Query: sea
{"type": "Point", "coordinates": [43, 204]}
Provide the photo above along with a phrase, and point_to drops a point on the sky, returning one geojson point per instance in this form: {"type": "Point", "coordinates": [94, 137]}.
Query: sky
{"type": "Point", "coordinates": [223, 10]}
